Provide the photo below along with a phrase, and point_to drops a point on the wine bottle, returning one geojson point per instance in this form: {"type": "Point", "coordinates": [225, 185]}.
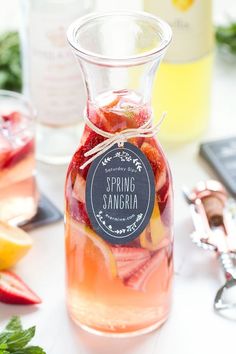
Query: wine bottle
{"type": "Point", "coordinates": [51, 79]}
{"type": "Point", "coordinates": [183, 85]}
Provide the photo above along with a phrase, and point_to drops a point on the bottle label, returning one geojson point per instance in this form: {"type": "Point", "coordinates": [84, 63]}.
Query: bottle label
{"type": "Point", "coordinates": [120, 194]}
{"type": "Point", "coordinates": [191, 23]}
{"type": "Point", "coordinates": [55, 82]}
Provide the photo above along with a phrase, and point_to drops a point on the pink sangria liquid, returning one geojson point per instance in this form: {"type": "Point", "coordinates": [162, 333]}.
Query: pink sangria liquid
{"type": "Point", "coordinates": [18, 191]}
{"type": "Point", "coordinates": [119, 289]}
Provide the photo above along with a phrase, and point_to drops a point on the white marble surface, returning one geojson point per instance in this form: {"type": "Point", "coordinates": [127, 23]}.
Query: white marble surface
{"type": "Point", "coordinates": [193, 327]}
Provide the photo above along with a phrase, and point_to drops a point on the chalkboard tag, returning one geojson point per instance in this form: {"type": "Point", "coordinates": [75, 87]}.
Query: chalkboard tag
{"type": "Point", "coordinates": [120, 193]}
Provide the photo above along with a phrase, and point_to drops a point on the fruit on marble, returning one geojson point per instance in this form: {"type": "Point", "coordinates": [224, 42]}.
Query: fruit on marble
{"type": "Point", "coordinates": [14, 291]}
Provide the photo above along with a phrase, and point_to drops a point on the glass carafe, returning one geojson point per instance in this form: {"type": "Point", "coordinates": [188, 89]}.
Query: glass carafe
{"type": "Point", "coordinates": [121, 285]}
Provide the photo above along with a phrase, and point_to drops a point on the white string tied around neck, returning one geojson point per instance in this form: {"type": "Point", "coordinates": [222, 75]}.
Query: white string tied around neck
{"type": "Point", "coordinates": [147, 130]}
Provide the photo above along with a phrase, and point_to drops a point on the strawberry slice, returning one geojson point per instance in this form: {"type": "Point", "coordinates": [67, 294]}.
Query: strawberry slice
{"type": "Point", "coordinates": [13, 117]}
{"type": "Point", "coordinates": [142, 116]}
{"type": "Point", "coordinates": [96, 115]}
{"type": "Point", "coordinates": [19, 153]}
{"type": "Point", "coordinates": [127, 268]}
{"type": "Point", "coordinates": [153, 157]}
{"type": "Point", "coordinates": [139, 280]}
{"type": "Point", "coordinates": [129, 260]}
{"type": "Point", "coordinates": [129, 253]}
{"type": "Point", "coordinates": [91, 141]}
{"type": "Point", "coordinates": [5, 150]}
{"type": "Point", "coordinates": [79, 213]}
{"type": "Point", "coordinates": [162, 196]}
{"type": "Point", "coordinates": [14, 291]}
{"type": "Point", "coordinates": [115, 121]}
{"type": "Point", "coordinates": [161, 178]}
{"type": "Point", "coordinates": [164, 199]}
{"type": "Point", "coordinates": [166, 214]}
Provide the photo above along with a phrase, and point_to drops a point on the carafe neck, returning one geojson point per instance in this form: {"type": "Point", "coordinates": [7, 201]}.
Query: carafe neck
{"type": "Point", "coordinates": [115, 111]}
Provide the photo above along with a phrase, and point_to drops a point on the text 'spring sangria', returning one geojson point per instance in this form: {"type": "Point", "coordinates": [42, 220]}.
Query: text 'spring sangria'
{"type": "Point", "coordinates": [119, 202]}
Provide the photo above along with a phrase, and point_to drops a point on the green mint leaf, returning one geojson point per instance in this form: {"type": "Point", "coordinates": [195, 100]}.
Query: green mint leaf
{"type": "Point", "coordinates": [30, 350]}
{"type": "Point", "coordinates": [20, 339]}
{"type": "Point", "coordinates": [14, 324]}
{"type": "Point", "coordinates": [4, 337]}
{"type": "Point", "coordinates": [226, 37]}
{"type": "Point", "coordinates": [3, 346]}
{"type": "Point", "coordinates": [14, 340]}
{"type": "Point", "coordinates": [10, 63]}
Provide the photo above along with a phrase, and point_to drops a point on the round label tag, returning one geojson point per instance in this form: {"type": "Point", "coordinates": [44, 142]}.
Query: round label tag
{"type": "Point", "coordinates": [120, 194]}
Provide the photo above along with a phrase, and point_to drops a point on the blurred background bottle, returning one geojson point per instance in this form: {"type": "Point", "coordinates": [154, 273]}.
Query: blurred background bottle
{"type": "Point", "coordinates": [183, 84]}
{"type": "Point", "coordinates": [51, 79]}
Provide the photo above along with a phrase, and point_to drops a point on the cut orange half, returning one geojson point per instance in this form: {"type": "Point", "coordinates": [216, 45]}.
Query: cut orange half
{"type": "Point", "coordinates": [14, 244]}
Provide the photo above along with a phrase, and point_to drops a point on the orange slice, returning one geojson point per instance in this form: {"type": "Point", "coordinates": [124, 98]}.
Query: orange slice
{"type": "Point", "coordinates": [14, 244]}
{"type": "Point", "coordinates": [152, 236]}
{"type": "Point", "coordinates": [99, 243]}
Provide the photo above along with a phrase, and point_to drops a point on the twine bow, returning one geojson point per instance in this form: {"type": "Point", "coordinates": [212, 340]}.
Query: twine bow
{"type": "Point", "coordinates": [147, 130]}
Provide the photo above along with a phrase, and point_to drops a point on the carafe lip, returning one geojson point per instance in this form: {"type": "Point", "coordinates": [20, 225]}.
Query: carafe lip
{"type": "Point", "coordinates": [165, 34]}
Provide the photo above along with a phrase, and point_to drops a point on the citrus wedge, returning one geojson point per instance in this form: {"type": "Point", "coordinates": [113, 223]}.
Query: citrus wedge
{"type": "Point", "coordinates": [99, 243]}
{"type": "Point", "coordinates": [152, 236]}
{"type": "Point", "coordinates": [14, 244]}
